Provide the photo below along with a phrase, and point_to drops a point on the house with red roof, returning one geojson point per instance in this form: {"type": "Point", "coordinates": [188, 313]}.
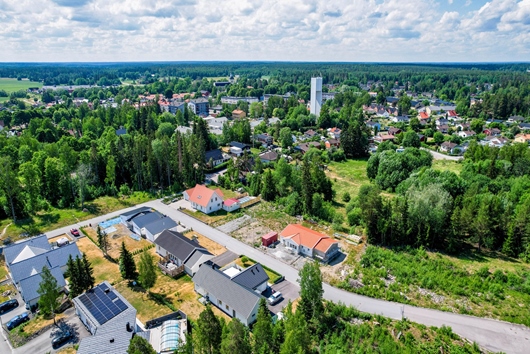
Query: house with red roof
{"type": "Point", "coordinates": [307, 242]}
{"type": "Point", "coordinates": [204, 199]}
{"type": "Point", "coordinates": [231, 204]}
{"type": "Point", "coordinates": [424, 115]}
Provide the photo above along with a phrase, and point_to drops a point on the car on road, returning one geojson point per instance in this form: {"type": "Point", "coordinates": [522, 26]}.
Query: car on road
{"type": "Point", "coordinates": [62, 338]}
{"type": "Point", "coordinates": [75, 232]}
{"type": "Point", "coordinates": [17, 321]}
{"type": "Point", "coordinates": [8, 305]}
{"type": "Point", "coordinates": [275, 298]}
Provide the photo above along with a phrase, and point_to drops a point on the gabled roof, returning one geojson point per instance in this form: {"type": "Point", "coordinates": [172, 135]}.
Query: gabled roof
{"type": "Point", "coordinates": [51, 259]}
{"type": "Point", "coordinates": [199, 255]}
{"type": "Point", "coordinates": [424, 115]}
{"type": "Point", "coordinates": [304, 236]}
{"type": "Point", "coordinates": [135, 212]}
{"type": "Point", "coordinates": [269, 155]}
{"type": "Point", "coordinates": [239, 145]}
{"type": "Point", "coordinates": [143, 220]}
{"type": "Point", "coordinates": [31, 284]}
{"type": "Point", "coordinates": [200, 194]}
{"type": "Point", "coordinates": [213, 154]}
{"type": "Point", "coordinates": [160, 225]}
{"type": "Point", "coordinates": [177, 244]}
{"type": "Point", "coordinates": [252, 277]}
{"type": "Point", "coordinates": [11, 252]}
{"type": "Point", "coordinates": [236, 296]}
{"type": "Point", "coordinates": [230, 201]}
{"type": "Point", "coordinates": [28, 252]}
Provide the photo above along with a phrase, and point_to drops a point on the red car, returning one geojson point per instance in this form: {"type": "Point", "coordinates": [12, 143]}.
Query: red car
{"type": "Point", "coordinates": [74, 232]}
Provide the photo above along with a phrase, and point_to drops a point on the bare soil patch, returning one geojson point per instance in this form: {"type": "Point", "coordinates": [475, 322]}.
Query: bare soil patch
{"type": "Point", "coordinates": [251, 233]}
{"type": "Point", "coordinates": [215, 248]}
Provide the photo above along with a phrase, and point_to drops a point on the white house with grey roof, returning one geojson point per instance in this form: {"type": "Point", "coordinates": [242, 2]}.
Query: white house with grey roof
{"type": "Point", "coordinates": [253, 277]}
{"type": "Point", "coordinates": [109, 317]}
{"type": "Point", "coordinates": [181, 251]}
{"type": "Point", "coordinates": [25, 261]}
{"type": "Point", "coordinates": [226, 294]}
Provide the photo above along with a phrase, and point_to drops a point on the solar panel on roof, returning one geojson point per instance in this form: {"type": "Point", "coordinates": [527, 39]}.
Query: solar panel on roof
{"type": "Point", "coordinates": [121, 305]}
{"type": "Point", "coordinates": [103, 286]}
{"type": "Point", "coordinates": [103, 306]}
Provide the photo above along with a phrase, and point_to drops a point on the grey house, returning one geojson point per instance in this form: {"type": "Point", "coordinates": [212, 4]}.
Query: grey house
{"type": "Point", "coordinates": [253, 277]}
{"type": "Point", "coordinates": [25, 261]}
{"type": "Point", "coordinates": [128, 216]}
{"type": "Point", "coordinates": [138, 223]}
{"type": "Point", "coordinates": [181, 251]}
{"type": "Point", "coordinates": [152, 230]}
{"type": "Point", "coordinates": [230, 297]}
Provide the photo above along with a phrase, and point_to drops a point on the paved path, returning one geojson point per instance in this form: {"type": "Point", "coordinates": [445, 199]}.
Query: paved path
{"type": "Point", "coordinates": [440, 156]}
{"type": "Point", "coordinates": [490, 334]}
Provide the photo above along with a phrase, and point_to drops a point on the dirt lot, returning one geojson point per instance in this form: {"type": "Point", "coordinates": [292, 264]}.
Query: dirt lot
{"type": "Point", "coordinates": [116, 238]}
{"type": "Point", "coordinates": [251, 233]}
{"type": "Point", "coordinates": [215, 248]}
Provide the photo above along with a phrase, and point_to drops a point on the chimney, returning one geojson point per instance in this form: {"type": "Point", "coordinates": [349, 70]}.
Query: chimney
{"type": "Point", "coordinates": [112, 340]}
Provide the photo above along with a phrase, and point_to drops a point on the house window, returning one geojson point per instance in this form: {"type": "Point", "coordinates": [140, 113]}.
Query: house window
{"type": "Point", "coordinates": [220, 303]}
{"type": "Point", "coordinates": [228, 308]}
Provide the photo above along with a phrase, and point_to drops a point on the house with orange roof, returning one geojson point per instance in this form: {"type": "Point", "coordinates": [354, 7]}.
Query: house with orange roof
{"type": "Point", "coordinates": [311, 243]}
{"type": "Point", "coordinates": [424, 115]}
{"type": "Point", "coordinates": [522, 138]}
{"type": "Point", "coordinates": [204, 199]}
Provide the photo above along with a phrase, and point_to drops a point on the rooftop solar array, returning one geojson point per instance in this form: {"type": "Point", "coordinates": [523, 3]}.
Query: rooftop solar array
{"type": "Point", "coordinates": [103, 306]}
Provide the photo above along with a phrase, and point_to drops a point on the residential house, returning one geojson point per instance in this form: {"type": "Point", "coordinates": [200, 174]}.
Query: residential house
{"type": "Point", "coordinates": [310, 134]}
{"type": "Point", "coordinates": [392, 111]}
{"type": "Point", "coordinates": [269, 156]}
{"type": "Point", "coordinates": [442, 121]}
{"type": "Point", "coordinates": [216, 124]}
{"type": "Point", "coordinates": [234, 299]}
{"type": "Point", "coordinates": [139, 222]}
{"type": "Point", "coordinates": [384, 137]}
{"type": "Point", "coordinates": [394, 131]}
{"type": "Point", "coordinates": [214, 158]}
{"type": "Point", "coordinates": [439, 109]}
{"type": "Point", "coordinates": [264, 139]}
{"type": "Point", "coordinates": [466, 133]}
{"type": "Point", "coordinates": [235, 100]}
{"type": "Point", "coordinates": [304, 147]}
{"type": "Point", "coordinates": [199, 106]}
{"type": "Point", "coordinates": [424, 116]}
{"type": "Point", "coordinates": [253, 277]}
{"type": "Point", "coordinates": [524, 126]}
{"type": "Point", "coordinates": [25, 261]}
{"type": "Point", "coordinates": [204, 199]}
{"type": "Point", "coordinates": [155, 228]}
{"type": "Point", "coordinates": [374, 125]}
{"type": "Point", "coordinates": [400, 119]}
{"type": "Point", "coordinates": [238, 114]}
{"type": "Point", "coordinates": [307, 242]}
{"type": "Point", "coordinates": [522, 138]}
{"type": "Point", "coordinates": [175, 106]}
{"type": "Point", "coordinates": [181, 251]}
{"type": "Point", "coordinates": [392, 100]}
{"type": "Point", "coordinates": [449, 147]}
{"type": "Point", "coordinates": [109, 317]}
{"type": "Point", "coordinates": [492, 131]}
{"type": "Point", "coordinates": [332, 143]}
{"type": "Point", "coordinates": [515, 119]}
{"type": "Point", "coordinates": [231, 204]}
{"type": "Point", "coordinates": [452, 115]}
{"type": "Point", "coordinates": [129, 215]}
{"type": "Point", "coordinates": [334, 133]}
{"type": "Point", "coordinates": [444, 129]}
{"type": "Point", "coordinates": [494, 141]}
{"type": "Point", "coordinates": [463, 126]}
{"type": "Point", "coordinates": [243, 147]}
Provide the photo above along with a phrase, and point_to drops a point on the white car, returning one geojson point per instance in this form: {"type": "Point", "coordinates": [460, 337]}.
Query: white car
{"type": "Point", "coordinates": [274, 298]}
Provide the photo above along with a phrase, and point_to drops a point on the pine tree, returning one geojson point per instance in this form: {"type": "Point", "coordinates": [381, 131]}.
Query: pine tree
{"type": "Point", "coordinates": [208, 334]}
{"type": "Point", "coordinates": [88, 272]}
{"type": "Point", "coordinates": [74, 281]}
{"type": "Point", "coordinates": [268, 189]}
{"type": "Point", "coordinates": [127, 265]}
{"type": "Point", "coordinates": [82, 279]}
{"type": "Point", "coordinates": [237, 340]}
{"type": "Point", "coordinates": [147, 270]}
{"type": "Point", "coordinates": [139, 345]}
{"type": "Point", "coordinates": [102, 240]}
{"type": "Point", "coordinates": [297, 338]}
{"type": "Point", "coordinates": [307, 187]}
{"type": "Point", "coordinates": [262, 331]}
{"type": "Point", "coordinates": [49, 293]}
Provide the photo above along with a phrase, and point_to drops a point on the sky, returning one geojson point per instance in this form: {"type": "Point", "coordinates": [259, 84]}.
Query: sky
{"type": "Point", "coordinates": [265, 30]}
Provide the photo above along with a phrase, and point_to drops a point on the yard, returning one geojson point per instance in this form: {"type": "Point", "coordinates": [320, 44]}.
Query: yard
{"type": "Point", "coordinates": [103, 268]}
{"type": "Point", "coordinates": [57, 218]}
{"type": "Point", "coordinates": [12, 85]}
{"type": "Point", "coordinates": [116, 238]}
{"type": "Point", "coordinates": [213, 247]}
{"type": "Point", "coordinates": [447, 165]}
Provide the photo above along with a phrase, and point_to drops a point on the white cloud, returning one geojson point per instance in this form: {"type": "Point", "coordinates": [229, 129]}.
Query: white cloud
{"type": "Point", "coordinates": [309, 30]}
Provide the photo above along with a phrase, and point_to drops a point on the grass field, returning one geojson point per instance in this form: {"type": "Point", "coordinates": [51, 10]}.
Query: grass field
{"type": "Point", "coordinates": [447, 165]}
{"type": "Point", "coordinates": [11, 85]}
{"type": "Point", "coordinates": [103, 268]}
{"type": "Point", "coordinates": [55, 218]}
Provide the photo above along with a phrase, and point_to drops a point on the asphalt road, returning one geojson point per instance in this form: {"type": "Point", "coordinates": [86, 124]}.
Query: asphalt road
{"type": "Point", "coordinates": [440, 156]}
{"type": "Point", "coordinates": [491, 334]}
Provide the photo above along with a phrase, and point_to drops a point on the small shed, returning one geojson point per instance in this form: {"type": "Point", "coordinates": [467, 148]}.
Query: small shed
{"type": "Point", "coordinates": [269, 239]}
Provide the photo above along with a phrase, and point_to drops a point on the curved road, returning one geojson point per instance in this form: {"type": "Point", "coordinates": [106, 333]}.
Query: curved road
{"type": "Point", "coordinates": [490, 334]}
{"type": "Point", "coordinates": [440, 156]}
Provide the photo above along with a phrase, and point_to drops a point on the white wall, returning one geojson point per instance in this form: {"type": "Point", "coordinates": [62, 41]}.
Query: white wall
{"type": "Point", "coordinates": [316, 95]}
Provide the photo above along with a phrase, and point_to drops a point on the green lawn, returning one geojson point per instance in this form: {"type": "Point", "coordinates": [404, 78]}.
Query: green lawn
{"type": "Point", "coordinates": [4, 99]}
{"type": "Point", "coordinates": [55, 218]}
{"type": "Point", "coordinates": [447, 165]}
{"type": "Point", "coordinates": [11, 85]}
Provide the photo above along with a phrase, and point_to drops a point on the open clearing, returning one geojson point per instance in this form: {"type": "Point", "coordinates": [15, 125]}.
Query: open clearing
{"type": "Point", "coordinates": [116, 238]}
{"type": "Point", "coordinates": [12, 85]}
{"type": "Point", "coordinates": [103, 268]}
{"type": "Point", "coordinates": [447, 165]}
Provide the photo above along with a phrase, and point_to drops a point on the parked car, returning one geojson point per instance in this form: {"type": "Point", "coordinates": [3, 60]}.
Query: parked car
{"type": "Point", "coordinates": [75, 232]}
{"type": "Point", "coordinates": [17, 321]}
{"type": "Point", "coordinates": [62, 338]}
{"type": "Point", "coordinates": [275, 298]}
{"type": "Point", "coordinates": [8, 305]}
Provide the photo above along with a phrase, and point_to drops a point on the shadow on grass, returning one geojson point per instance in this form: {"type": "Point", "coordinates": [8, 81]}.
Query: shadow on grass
{"type": "Point", "coordinates": [93, 208]}
{"type": "Point", "coordinates": [472, 253]}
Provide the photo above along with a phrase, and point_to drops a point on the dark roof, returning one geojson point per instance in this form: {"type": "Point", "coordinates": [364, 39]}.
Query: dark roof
{"type": "Point", "coordinates": [392, 99]}
{"type": "Point", "coordinates": [269, 156]}
{"type": "Point", "coordinates": [239, 145]}
{"type": "Point", "coordinates": [160, 225]}
{"type": "Point", "coordinates": [524, 125]}
{"type": "Point", "coordinates": [121, 131]}
{"type": "Point", "coordinates": [213, 154]}
{"type": "Point", "coordinates": [224, 258]}
{"type": "Point", "coordinates": [143, 220]}
{"type": "Point", "coordinates": [31, 284]}
{"type": "Point", "coordinates": [215, 282]}
{"type": "Point", "coordinates": [51, 259]}
{"type": "Point", "coordinates": [135, 212]}
{"type": "Point", "coordinates": [177, 244]}
{"type": "Point", "coordinates": [251, 277]}
{"type": "Point", "coordinates": [12, 251]}
{"type": "Point", "coordinates": [196, 256]}
{"type": "Point", "coordinates": [516, 118]}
